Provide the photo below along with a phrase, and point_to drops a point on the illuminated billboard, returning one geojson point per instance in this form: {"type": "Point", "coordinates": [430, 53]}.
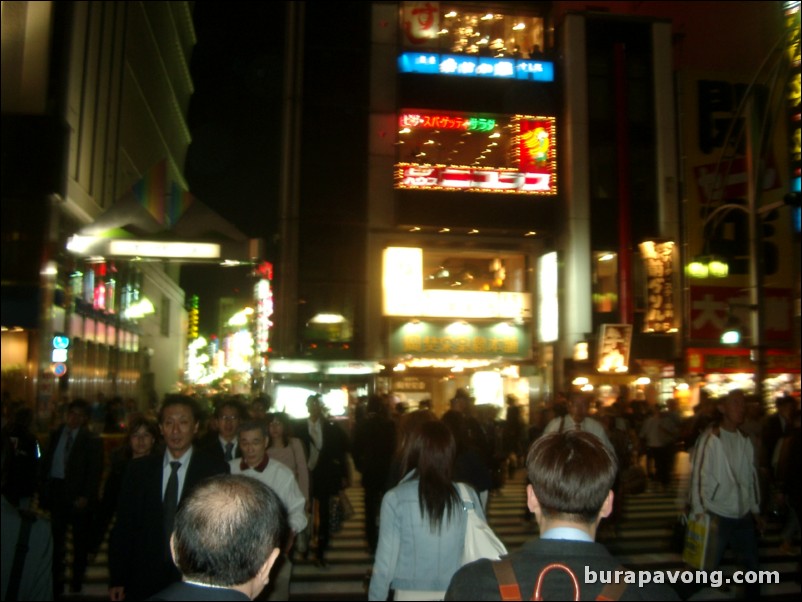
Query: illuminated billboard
{"type": "Point", "coordinates": [469, 284]}
{"type": "Point", "coordinates": [439, 150]}
{"type": "Point", "coordinates": [475, 66]}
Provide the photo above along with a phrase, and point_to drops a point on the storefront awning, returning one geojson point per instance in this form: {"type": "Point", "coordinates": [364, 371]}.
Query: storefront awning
{"type": "Point", "coordinates": [180, 228]}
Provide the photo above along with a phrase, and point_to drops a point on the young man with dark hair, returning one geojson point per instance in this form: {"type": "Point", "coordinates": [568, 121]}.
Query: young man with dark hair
{"type": "Point", "coordinates": [224, 443]}
{"type": "Point", "coordinates": [139, 554]}
{"type": "Point", "coordinates": [571, 475]}
{"type": "Point", "coordinates": [227, 536]}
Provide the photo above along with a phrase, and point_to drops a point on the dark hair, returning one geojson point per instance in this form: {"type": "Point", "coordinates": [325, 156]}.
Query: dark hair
{"type": "Point", "coordinates": [375, 404]}
{"type": "Point", "coordinates": [455, 422]}
{"type": "Point", "coordinates": [285, 422]}
{"type": "Point", "coordinates": [140, 421]}
{"type": "Point", "coordinates": [23, 417]}
{"type": "Point", "coordinates": [226, 529]}
{"type": "Point", "coordinates": [80, 405]}
{"type": "Point", "coordinates": [430, 452]}
{"type": "Point", "coordinates": [179, 400]}
{"type": "Point", "coordinates": [571, 472]}
{"type": "Point", "coordinates": [239, 408]}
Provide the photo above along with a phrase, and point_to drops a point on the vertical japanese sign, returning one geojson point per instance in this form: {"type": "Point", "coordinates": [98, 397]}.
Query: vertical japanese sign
{"type": "Point", "coordinates": [658, 258]}
{"type": "Point", "coordinates": [614, 345]}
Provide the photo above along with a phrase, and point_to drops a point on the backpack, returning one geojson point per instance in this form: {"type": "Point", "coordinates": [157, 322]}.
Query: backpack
{"type": "Point", "coordinates": [510, 590]}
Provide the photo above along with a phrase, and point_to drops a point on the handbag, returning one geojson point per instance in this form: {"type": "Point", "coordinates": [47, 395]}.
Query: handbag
{"type": "Point", "coordinates": [700, 541]}
{"type": "Point", "coordinates": [480, 541]}
{"type": "Point", "coordinates": [341, 510]}
{"type": "Point", "coordinates": [336, 519]}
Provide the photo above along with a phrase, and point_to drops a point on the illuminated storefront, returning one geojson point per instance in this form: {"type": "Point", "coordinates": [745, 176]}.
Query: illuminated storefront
{"type": "Point", "coordinates": [456, 318]}
{"type": "Point", "coordinates": [476, 152]}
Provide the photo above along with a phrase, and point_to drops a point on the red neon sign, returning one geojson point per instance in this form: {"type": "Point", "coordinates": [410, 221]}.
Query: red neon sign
{"type": "Point", "coordinates": [446, 122]}
{"type": "Point", "coordinates": [474, 179]}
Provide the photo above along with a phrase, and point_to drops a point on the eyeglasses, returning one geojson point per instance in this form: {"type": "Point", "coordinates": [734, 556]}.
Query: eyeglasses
{"type": "Point", "coordinates": [229, 418]}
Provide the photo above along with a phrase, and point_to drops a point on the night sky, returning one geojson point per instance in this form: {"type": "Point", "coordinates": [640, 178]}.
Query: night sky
{"type": "Point", "coordinates": [234, 118]}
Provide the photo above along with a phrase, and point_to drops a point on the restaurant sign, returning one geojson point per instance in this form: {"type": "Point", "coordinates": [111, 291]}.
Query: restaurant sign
{"type": "Point", "coordinates": [436, 340]}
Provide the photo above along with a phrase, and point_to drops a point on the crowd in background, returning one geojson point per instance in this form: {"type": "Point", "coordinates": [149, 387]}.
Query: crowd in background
{"type": "Point", "coordinates": [74, 477]}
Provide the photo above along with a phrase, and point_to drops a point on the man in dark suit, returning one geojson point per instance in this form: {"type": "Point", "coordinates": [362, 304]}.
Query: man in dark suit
{"type": "Point", "coordinates": [71, 470]}
{"type": "Point", "coordinates": [571, 476]}
{"type": "Point", "coordinates": [139, 554]}
{"type": "Point", "coordinates": [223, 443]}
{"type": "Point", "coordinates": [35, 579]}
{"type": "Point", "coordinates": [326, 447]}
{"type": "Point", "coordinates": [227, 536]}
{"type": "Point", "coordinates": [373, 449]}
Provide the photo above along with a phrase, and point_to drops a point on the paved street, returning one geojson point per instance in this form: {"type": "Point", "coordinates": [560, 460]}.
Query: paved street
{"type": "Point", "coordinates": [641, 542]}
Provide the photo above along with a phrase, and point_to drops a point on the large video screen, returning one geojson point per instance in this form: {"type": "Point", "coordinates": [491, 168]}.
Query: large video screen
{"type": "Point", "coordinates": [485, 152]}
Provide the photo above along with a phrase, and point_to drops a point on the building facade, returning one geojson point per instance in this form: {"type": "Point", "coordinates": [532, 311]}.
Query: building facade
{"type": "Point", "coordinates": [94, 95]}
{"type": "Point", "coordinates": [503, 196]}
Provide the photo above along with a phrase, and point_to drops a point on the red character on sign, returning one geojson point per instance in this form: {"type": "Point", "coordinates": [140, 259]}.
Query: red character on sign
{"type": "Point", "coordinates": [420, 22]}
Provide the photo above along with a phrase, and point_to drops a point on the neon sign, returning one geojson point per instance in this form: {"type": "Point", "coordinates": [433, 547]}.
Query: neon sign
{"type": "Point", "coordinates": [432, 63]}
{"type": "Point", "coordinates": [473, 179]}
{"type": "Point", "coordinates": [493, 153]}
{"type": "Point", "coordinates": [447, 122]}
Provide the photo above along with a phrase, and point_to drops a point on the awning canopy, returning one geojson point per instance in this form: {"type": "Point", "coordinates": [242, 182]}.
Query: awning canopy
{"type": "Point", "coordinates": [178, 228]}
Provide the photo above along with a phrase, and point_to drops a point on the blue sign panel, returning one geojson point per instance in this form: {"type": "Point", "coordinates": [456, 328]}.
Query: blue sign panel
{"type": "Point", "coordinates": [474, 66]}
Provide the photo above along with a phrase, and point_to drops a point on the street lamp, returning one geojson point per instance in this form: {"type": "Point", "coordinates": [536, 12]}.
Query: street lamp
{"type": "Point", "coordinates": [708, 266]}
{"type": "Point", "coordinates": [731, 335]}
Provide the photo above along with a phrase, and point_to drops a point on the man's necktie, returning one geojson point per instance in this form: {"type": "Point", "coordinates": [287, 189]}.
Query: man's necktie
{"type": "Point", "coordinates": [229, 451]}
{"type": "Point", "coordinates": [67, 449]}
{"type": "Point", "coordinates": [578, 426]}
{"type": "Point", "coordinates": [171, 501]}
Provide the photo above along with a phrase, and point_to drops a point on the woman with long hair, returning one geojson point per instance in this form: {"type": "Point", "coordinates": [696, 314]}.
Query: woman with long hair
{"type": "Point", "coordinates": [422, 521]}
{"type": "Point", "coordinates": [288, 450]}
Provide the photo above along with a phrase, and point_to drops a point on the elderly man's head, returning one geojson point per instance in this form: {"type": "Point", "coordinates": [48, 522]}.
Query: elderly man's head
{"type": "Point", "coordinates": [228, 532]}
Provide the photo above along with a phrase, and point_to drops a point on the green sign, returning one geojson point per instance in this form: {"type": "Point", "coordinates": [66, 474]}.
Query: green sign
{"type": "Point", "coordinates": [430, 339]}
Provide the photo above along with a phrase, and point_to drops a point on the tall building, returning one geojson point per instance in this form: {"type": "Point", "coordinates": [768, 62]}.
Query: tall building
{"type": "Point", "coordinates": [94, 99]}
{"type": "Point", "coordinates": [504, 196]}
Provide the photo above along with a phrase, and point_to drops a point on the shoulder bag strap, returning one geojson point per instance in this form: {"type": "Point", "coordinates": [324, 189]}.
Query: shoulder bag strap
{"type": "Point", "coordinates": [290, 442]}
{"type": "Point", "coordinates": [508, 587]}
{"type": "Point", "coordinates": [701, 464]}
{"type": "Point", "coordinates": [19, 556]}
{"type": "Point", "coordinates": [464, 495]}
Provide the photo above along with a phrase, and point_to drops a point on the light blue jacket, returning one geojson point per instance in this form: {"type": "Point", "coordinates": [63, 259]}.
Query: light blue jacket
{"type": "Point", "coordinates": [409, 555]}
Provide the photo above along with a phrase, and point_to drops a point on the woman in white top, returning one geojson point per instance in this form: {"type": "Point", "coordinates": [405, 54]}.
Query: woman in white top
{"type": "Point", "coordinates": [289, 451]}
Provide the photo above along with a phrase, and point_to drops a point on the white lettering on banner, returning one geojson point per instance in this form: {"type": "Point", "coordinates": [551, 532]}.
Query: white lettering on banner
{"type": "Point", "coordinates": [481, 179]}
{"type": "Point", "coordinates": [714, 578]}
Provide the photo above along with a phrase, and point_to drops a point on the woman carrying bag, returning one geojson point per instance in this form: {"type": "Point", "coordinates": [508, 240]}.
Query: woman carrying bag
{"type": "Point", "coordinates": [422, 524]}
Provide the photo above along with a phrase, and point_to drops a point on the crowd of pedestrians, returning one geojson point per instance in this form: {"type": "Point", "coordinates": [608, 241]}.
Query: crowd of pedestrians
{"type": "Point", "coordinates": [407, 461]}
